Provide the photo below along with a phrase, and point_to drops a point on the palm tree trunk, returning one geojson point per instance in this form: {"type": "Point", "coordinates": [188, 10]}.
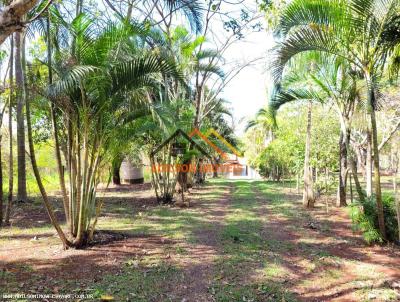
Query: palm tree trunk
{"type": "Point", "coordinates": [368, 164]}
{"type": "Point", "coordinates": [215, 168]}
{"type": "Point", "coordinates": [10, 134]}
{"type": "Point", "coordinates": [55, 128]}
{"type": "Point", "coordinates": [351, 156]}
{"type": "Point", "coordinates": [308, 192]}
{"type": "Point", "coordinates": [341, 194]}
{"type": "Point", "coordinates": [49, 208]}
{"type": "Point", "coordinates": [353, 165]}
{"type": "Point", "coordinates": [71, 170]}
{"type": "Point", "coordinates": [198, 103]}
{"type": "Point", "coordinates": [377, 175]}
{"type": "Point", "coordinates": [19, 79]}
{"type": "Point", "coordinates": [375, 149]}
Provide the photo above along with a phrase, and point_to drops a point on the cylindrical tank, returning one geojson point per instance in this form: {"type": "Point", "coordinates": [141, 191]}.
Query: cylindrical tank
{"type": "Point", "coordinates": [131, 173]}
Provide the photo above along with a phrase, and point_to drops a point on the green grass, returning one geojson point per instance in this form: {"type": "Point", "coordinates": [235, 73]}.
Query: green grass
{"type": "Point", "coordinates": [251, 262]}
{"type": "Point", "coordinates": [246, 253]}
{"type": "Point", "coordinates": [243, 251]}
{"type": "Point", "coordinates": [139, 283]}
{"type": "Point", "coordinates": [149, 278]}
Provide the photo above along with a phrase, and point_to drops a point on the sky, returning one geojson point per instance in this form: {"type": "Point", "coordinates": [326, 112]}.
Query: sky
{"type": "Point", "coordinates": [247, 92]}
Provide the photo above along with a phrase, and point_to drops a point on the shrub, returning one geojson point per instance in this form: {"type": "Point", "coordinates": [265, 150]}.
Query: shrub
{"type": "Point", "coordinates": [364, 218]}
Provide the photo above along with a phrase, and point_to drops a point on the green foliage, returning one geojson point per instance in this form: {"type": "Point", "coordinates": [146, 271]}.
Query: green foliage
{"type": "Point", "coordinates": [284, 156]}
{"type": "Point", "coordinates": [389, 211]}
{"type": "Point", "coordinates": [364, 222]}
{"type": "Point", "coordinates": [365, 218]}
{"type": "Point", "coordinates": [279, 158]}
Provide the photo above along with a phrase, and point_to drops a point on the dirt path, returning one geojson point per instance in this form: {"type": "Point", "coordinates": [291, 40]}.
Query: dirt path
{"type": "Point", "coordinates": [200, 256]}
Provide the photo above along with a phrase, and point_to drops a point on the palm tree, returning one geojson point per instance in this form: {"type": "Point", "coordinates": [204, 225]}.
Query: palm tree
{"type": "Point", "coordinates": [265, 122]}
{"type": "Point", "coordinates": [283, 96]}
{"type": "Point", "coordinates": [92, 91]}
{"type": "Point", "coordinates": [197, 63]}
{"type": "Point", "coordinates": [343, 90]}
{"type": "Point", "coordinates": [362, 32]}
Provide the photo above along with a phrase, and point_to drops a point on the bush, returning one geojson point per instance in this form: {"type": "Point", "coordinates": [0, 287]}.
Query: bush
{"type": "Point", "coordinates": [364, 217]}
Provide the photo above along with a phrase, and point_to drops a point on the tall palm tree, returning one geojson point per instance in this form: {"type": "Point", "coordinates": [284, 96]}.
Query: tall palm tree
{"type": "Point", "coordinates": [91, 87]}
{"type": "Point", "coordinates": [344, 91]}
{"type": "Point", "coordinates": [363, 32]}
{"type": "Point", "coordinates": [309, 94]}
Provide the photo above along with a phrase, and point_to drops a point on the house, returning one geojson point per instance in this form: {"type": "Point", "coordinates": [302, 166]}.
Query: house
{"type": "Point", "coordinates": [235, 167]}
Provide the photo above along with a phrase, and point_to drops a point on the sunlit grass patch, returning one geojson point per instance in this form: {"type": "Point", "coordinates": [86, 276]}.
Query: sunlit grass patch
{"type": "Point", "coordinates": [377, 294]}
{"type": "Point", "coordinates": [274, 270]}
{"type": "Point", "coordinates": [27, 235]}
{"type": "Point", "coordinates": [251, 293]}
{"type": "Point", "coordinates": [139, 281]}
{"type": "Point", "coordinates": [162, 220]}
{"type": "Point", "coordinates": [325, 276]}
{"type": "Point", "coordinates": [246, 262]}
{"type": "Point", "coordinates": [365, 271]}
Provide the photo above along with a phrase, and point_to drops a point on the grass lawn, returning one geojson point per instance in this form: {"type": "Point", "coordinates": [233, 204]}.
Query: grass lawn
{"type": "Point", "coordinates": [239, 241]}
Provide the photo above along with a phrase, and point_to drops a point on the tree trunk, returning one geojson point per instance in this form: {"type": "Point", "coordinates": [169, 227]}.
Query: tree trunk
{"type": "Point", "coordinates": [11, 17]}
{"type": "Point", "coordinates": [1, 180]}
{"type": "Point", "coordinates": [351, 157]}
{"type": "Point", "coordinates": [308, 192]}
{"type": "Point", "coordinates": [60, 169]}
{"type": "Point", "coordinates": [48, 206]}
{"type": "Point", "coordinates": [375, 149]}
{"type": "Point", "coordinates": [360, 193]}
{"type": "Point", "coordinates": [368, 164]}
{"type": "Point", "coordinates": [198, 106]}
{"type": "Point", "coordinates": [116, 177]}
{"type": "Point", "coordinates": [377, 175]}
{"type": "Point", "coordinates": [397, 202]}
{"type": "Point", "coordinates": [351, 190]}
{"type": "Point", "coordinates": [341, 194]}
{"type": "Point", "coordinates": [215, 168]}
{"type": "Point", "coordinates": [21, 95]}
{"type": "Point", "coordinates": [10, 134]}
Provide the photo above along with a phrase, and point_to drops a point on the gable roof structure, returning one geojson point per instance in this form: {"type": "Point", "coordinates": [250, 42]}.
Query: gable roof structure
{"type": "Point", "coordinates": [185, 136]}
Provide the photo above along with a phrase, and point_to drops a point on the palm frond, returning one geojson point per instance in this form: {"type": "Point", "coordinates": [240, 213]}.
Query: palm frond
{"type": "Point", "coordinates": [71, 79]}
{"type": "Point", "coordinates": [138, 72]}
{"type": "Point", "coordinates": [211, 69]}
{"type": "Point", "coordinates": [191, 9]}
{"type": "Point", "coordinates": [300, 13]}
{"type": "Point", "coordinates": [207, 54]}
{"type": "Point", "coordinates": [314, 38]}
